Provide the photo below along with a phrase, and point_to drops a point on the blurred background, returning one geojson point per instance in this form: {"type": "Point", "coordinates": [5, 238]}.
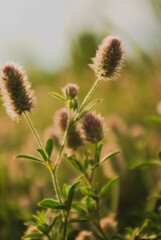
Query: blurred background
{"type": "Point", "coordinates": [54, 41]}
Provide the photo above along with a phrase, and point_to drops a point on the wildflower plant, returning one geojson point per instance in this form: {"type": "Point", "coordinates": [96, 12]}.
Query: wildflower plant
{"type": "Point", "coordinates": [76, 126]}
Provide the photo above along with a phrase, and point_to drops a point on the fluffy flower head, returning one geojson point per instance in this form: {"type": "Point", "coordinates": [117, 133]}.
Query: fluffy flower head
{"type": "Point", "coordinates": [72, 90]}
{"type": "Point", "coordinates": [108, 61]}
{"type": "Point", "coordinates": [15, 88]}
{"type": "Point", "coordinates": [93, 126]}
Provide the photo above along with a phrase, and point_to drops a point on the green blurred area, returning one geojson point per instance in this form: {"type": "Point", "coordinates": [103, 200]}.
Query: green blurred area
{"type": "Point", "coordinates": [127, 103]}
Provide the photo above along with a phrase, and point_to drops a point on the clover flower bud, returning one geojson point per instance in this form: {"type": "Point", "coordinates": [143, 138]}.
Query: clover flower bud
{"type": "Point", "coordinates": [15, 88]}
{"type": "Point", "coordinates": [61, 119]}
{"type": "Point", "coordinates": [93, 126]}
{"type": "Point", "coordinates": [108, 61]}
{"type": "Point", "coordinates": [72, 90]}
{"type": "Point", "coordinates": [84, 235]}
{"type": "Point", "coordinates": [75, 137]}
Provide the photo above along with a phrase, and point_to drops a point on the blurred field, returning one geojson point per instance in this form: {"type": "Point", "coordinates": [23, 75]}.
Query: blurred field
{"type": "Point", "coordinates": [127, 103]}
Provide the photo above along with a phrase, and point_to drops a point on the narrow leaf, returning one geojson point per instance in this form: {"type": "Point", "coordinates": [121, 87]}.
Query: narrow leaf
{"type": "Point", "coordinates": [71, 194]}
{"type": "Point", "coordinates": [154, 197]}
{"type": "Point", "coordinates": [58, 96]}
{"type": "Point", "coordinates": [99, 148]}
{"type": "Point", "coordinates": [160, 156]}
{"type": "Point", "coordinates": [54, 221]}
{"type": "Point", "coordinates": [42, 229]}
{"type": "Point", "coordinates": [33, 235]}
{"type": "Point", "coordinates": [75, 163]}
{"type": "Point", "coordinates": [30, 158]}
{"type": "Point", "coordinates": [48, 203]}
{"type": "Point", "coordinates": [106, 187]}
{"type": "Point", "coordinates": [74, 220]}
{"type": "Point", "coordinates": [43, 154]}
{"type": "Point", "coordinates": [49, 147]}
{"type": "Point", "coordinates": [109, 155]}
{"type": "Point", "coordinates": [147, 164]}
{"type": "Point", "coordinates": [154, 119]}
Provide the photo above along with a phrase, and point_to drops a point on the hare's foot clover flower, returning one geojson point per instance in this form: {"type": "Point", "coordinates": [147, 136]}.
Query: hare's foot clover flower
{"type": "Point", "coordinates": [109, 59]}
{"type": "Point", "coordinates": [15, 88]}
{"type": "Point", "coordinates": [94, 127]}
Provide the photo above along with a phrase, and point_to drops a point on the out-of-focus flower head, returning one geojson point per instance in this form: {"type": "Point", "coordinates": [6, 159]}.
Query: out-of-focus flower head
{"type": "Point", "coordinates": [72, 90]}
{"type": "Point", "coordinates": [61, 119]}
{"type": "Point", "coordinates": [109, 225]}
{"type": "Point", "coordinates": [75, 137]}
{"type": "Point", "coordinates": [94, 127]}
{"type": "Point", "coordinates": [84, 235]}
{"type": "Point", "coordinates": [15, 88]}
{"type": "Point", "coordinates": [109, 58]}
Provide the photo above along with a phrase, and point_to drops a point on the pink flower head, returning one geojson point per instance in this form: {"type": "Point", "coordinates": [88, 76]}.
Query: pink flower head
{"type": "Point", "coordinates": [72, 90]}
{"type": "Point", "coordinates": [108, 61]}
{"type": "Point", "coordinates": [93, 126]}
{"type": "Point", "coordinates": [15, 88]}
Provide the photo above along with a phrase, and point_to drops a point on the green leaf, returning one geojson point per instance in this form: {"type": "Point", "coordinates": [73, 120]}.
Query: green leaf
{"type": "Point", "coordinates": [48, 203]}
{"type": "Point", "coordinates": [30, 158]}
{"type": "Point", "coordinates": [84, 190]}
{"type": "Point", "coordinates": [154, 119]}
{"type": "Point", "coordinates": [147, 164]}
{"type": "Point", "coordinates": [33, 235]}
{"type": "Point", "coordinates": [106, 187]}
{"type": "Point", "coordinates": [54, 221]}
{"type": "Point", "coordinates": [65, 191]}
{"type": "Point", "coordinates": [74, 220]}
{"type": "Point", "coordinates": [89, 202]}
{"type": "Point", "coordinates": [58, 96]}
{"type": "Point", "coordinates": [30, 223]}
{"type": "Point", "coordinates": [160, 156]}
{"type": "Point", "coordinates": [75, 163]}
{"type": "Point", "coordinates": [42, 229]}
{"type": "Point", "coordinates": [71, 194]}
{"type": "Point", "coordinates": [43, 154]}
{"type": "Point", "coordinates": [49, 147]}
{"type": "Point", "coordinates": [99, 148]}
{"type": "Point", "coordinates": [76, 205]}
{"type": "Point", "coordinates": [38, 220]}
{"type": "Point", "coordinates": [154, 197]}
{"type": "Point", "coordinates": [109, 155]}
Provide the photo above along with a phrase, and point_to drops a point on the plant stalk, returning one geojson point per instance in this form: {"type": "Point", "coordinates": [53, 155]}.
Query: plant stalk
{"type": "Point", "coordinates": [33, 130]}
{"type": "Point", "coordinates": [89, 94]}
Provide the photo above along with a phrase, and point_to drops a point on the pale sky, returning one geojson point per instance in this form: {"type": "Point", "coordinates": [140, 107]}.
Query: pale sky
{"type": "Point", "coordinates": [41, 29]}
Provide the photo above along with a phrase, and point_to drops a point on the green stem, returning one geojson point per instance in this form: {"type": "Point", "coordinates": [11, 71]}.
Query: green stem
{"type": "Point", "coordinates": [54, 180]}
{"type": "Point", "coordinates": [33, 129]}
{"type": "Point", "coordinates": [65, 226]}
{"type": "Point", "coordinates": [61, 149]}
{"type": "Point", "coordinates": [41, 146]}
{"type": "Point", "coordinates": [89, 93]}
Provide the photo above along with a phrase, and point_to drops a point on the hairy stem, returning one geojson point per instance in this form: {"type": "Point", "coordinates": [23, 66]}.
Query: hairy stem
{"type": "Point", "coordinates": [89, 94]}
{"type": "Point", "coordinates": [41, 146]}
{"type": "Point", "coordinates": [33, 129]}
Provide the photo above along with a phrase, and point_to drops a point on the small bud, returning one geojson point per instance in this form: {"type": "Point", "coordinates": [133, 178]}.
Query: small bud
{"type": "Point", "coordinates": [75, 137]}
{"type": "Point", "coordinates": [15, 89]}
{"type": "Point", "coordinates": [61, 119]}
{"type": "Point", "coordinates": [72, 90]}
{"type": "Point", "coordinates": [93, 126]}
{"type": "Point", "coordinates": [108, 61]}
{"type": "Point", "coordinates": [84, 235]}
